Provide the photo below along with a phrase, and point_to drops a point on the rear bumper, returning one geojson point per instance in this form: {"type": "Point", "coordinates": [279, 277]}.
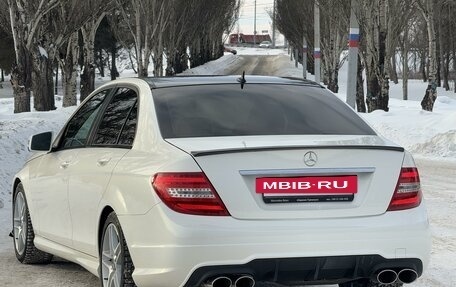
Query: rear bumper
{"type": "Point", "coordinates": [170, 249]}
{"type": "Point", "coordinates": [311, 270]}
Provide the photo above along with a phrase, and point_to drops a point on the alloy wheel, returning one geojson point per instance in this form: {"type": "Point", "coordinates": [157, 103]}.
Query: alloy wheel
{"type": "Point", "coordinates": [111, 257]}
{"type": "Point", "coordinates": [20, 223]}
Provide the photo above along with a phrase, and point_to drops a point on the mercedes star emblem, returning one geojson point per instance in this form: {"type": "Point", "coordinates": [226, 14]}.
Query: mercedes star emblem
{"type": "Point", "coordinates": [310, 158]}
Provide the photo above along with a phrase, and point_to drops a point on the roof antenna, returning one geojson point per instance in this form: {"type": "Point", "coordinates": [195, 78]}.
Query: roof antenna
{"type": "Point", "coordinates": [242, 80]}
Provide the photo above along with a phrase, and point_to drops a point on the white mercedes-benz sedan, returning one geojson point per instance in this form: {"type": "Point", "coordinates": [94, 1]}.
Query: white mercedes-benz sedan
{"type": "Point", "coordinates": [222, 181]}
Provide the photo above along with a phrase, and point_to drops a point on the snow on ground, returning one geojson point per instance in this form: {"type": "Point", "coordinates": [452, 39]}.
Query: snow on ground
{"type": "Point", "coordinates": [431, 137]}
{"type": "Point", "coordinates": [259, 51]}
{"type": "Point", "coordinates": [15, 131]}
{"type": "Point", "coordinates": [217, 67]}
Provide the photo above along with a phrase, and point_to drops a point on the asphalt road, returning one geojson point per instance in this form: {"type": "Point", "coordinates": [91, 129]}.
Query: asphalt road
{"type": "Point", "coordinates": [255, 65]}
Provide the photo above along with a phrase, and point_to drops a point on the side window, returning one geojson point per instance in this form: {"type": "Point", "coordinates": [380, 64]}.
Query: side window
{"type": "Point", "coordinates": [128, 133]}
{"type": "Point", "coordinates": [79, 126]}
{"type": "Point", "coordinates": [119, 117]}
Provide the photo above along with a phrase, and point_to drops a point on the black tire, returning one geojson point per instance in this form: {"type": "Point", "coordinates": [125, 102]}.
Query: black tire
{"type": "Point", "coordinates": [126, 262]}
{"type": "Point", "coordinates": [30, 254]}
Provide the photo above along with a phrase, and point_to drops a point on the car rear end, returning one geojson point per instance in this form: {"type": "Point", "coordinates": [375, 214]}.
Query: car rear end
{"type": "Point", "coordinates": [282, 183]}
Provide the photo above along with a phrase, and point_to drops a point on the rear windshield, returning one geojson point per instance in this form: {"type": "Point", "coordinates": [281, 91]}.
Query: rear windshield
{"type": "Point", "coordinates": [258, 109]}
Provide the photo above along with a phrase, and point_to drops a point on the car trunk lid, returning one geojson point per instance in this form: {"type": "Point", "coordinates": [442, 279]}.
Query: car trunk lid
{"type": "Point", "coordinates": [235, 164]}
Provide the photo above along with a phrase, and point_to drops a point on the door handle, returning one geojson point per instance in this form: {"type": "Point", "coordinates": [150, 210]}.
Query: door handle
{"type": "Point", "coordinates": [64, 164]}
{"type": "Point", "coordinates": [103, 161]}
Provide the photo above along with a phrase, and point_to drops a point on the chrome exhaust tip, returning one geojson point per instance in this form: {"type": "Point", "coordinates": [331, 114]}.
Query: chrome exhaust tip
{"type": "Point", "coordinates": [387, 276]}
{"type": "Point", "coordinates": [407, 276]}
{"type": "Point", "coordinates": [245, 281]}
{"type": "Point", "coordinates": [221, 281]}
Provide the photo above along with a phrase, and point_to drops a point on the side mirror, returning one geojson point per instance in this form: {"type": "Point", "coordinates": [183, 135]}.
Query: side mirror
{"type": "Point", "coordinates": [41, 142]}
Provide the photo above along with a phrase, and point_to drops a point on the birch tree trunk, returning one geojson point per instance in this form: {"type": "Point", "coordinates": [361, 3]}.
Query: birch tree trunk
{"type": "Point", "coordinates": [43, 80]}
{"type": "Point", "coordinates": [360, 101]}
{"type": "Point", "coordinates": [383, 57]}
{"type": "Point", "coordinates": [21, 73]}
{"type": "Point", "coordinates": [89, 31]}
{"type": "Point", "coordinates": [138, 38]}
{"type": "Point", "coordinates": [444, 53]}
{"type": "Point", "coordinates": [423, 66]}
{"type": "Point", "coordinates": [405, 67]}
{"type": "Point", "coordinates": [69, 70]}
{"type": "Point", "coordinates": [20, 77]}
{"type": "Point", "coordinates": [427, 9]}
{"type": "Point", "coordinates": [26, 18]}
{"type": "Point", "coordinates": [393, 69]}
{"type": "Point", "coordinates": [114, 72]}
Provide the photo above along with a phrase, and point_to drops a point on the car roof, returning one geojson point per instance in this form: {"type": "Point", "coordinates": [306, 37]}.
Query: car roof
{"type": "Point", "coordinates": [179, 81]}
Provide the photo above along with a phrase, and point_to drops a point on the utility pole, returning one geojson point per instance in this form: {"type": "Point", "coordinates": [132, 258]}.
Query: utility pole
{"type": "Point", "coordinates": [317, 52]}
{"type": "Point", "coordinates": [353, 56]}
{"type": "Point", "coordinates": [304, 58]}
{"type": "Point", "coordinates": [274, 25]}
{"type": "Point", "coordinates": [254, 27]}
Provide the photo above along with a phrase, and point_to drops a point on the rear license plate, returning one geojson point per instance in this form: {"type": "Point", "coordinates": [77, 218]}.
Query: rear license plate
{"type": "Point", "coordinates": [307, 189]}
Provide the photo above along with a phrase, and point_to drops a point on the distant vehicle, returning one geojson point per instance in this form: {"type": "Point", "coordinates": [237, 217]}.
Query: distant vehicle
{"type": "Point", "coordinates": [265, 44]}
{"type": "Point", "coordinates": [229, 50]}
{"type": "Point", "coordinates": [222, 182]}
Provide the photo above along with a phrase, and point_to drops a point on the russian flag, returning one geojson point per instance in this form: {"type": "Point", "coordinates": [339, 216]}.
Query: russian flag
{"type": "Point", "coordinates": [353, 39]}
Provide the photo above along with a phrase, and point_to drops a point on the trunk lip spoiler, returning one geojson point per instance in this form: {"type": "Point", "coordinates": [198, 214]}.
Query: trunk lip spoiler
{"type": "Point", "coordinates": [307, 171]}
{"type": "Point", "coordinates": [305, 147]}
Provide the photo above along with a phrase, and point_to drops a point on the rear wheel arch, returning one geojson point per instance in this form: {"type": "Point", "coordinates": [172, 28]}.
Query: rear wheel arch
{"type": "Point", "coordinates": [16, 183]}
{"type": "Point", "coordinates": [103, 217]}
{"type": "Point", "coordinates": [111, 232]}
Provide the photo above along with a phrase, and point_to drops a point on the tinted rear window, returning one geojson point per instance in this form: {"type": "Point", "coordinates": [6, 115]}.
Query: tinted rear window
{"type": "Point", "coordinates": [258, 109]}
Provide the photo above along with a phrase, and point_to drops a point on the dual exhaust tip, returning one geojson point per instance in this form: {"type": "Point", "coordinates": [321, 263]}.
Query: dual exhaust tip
{"type": "Point", "coordinates": [224, 281]}
{"type": "Point", "coordinates": [389, 276]}
{"type": "Point", "coordinates": [384, 277]}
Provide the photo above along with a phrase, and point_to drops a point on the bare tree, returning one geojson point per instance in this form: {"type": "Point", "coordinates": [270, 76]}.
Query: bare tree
{"type": "Point", "coordinates": [426, 8]}
{"type": "Point", "coordinates": [446, 24]}
{"type": "Point", "coordinates": [25, 19]}
{"type": "Point", "coordinates": [69, 62]}
{"type": "Point", "coordinates": [88, 31]}
{"type": "Point", "coordinates": [214, 18]}
{"type": "Point", "coordinates": [145, 19]}
{"type": "Point", "coordinates": [380, 21]}
{"type": "Point", "coordinates": [334, 39]}
{"type": "Point", "coordinates": [404, 44]}
{"type": "Point", "coordinates": [175, 39]}
{"type": "Point", "coordinates": [293, 21]}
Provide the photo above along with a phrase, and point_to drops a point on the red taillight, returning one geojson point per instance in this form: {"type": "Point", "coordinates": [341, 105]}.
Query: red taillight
{"type": "Point", "coordinates": [189, 193]}
{"type": "Point", "coordinates": [408, 190]}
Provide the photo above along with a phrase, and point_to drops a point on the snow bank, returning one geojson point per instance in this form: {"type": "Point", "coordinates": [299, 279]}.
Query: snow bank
{"type": "Point", "coordinates": [15, 132]}
{"type": "Point", "coordinates": [217, 67]}
{"type": "Point", "coordinates": [429, 134]}
{"type": "Point", "coordinates": [443, 145]}
{"type": "Point", "coordinates": [259, 51]}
